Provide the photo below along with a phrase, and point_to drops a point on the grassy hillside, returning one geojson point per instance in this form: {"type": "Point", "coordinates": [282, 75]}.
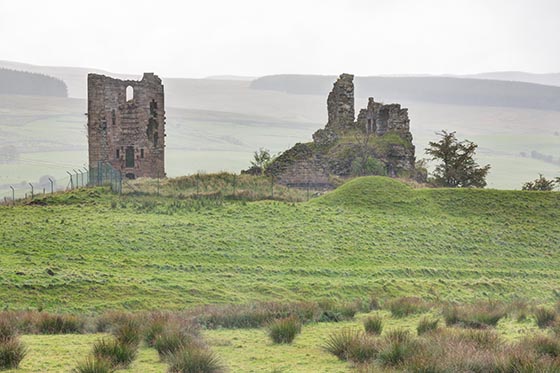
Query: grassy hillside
{"type": "Point", "coordinates": [372, 235]}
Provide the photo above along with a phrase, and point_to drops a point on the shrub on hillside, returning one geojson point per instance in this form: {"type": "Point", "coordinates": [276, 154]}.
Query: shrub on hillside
{"type": "Point", "coordinates": [284, 330]}
{"type": "Point", "coordinates": [341, 343]}
{"type": "Point", "coordinates": [373, 325]}
{"type": "Point", "coordinates": [194, 360]}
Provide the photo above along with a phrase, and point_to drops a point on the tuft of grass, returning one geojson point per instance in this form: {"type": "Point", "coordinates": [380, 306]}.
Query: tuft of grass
{"type": "Point", "coordinates": [341, 343]}
{"type": "Point", "coordinates": [93, 365]}
{"type": "Point", "coordinates": [129, 332]}
{"type": "Point", "coordinates": [405, 306]}
{"type": "Point", "coordinates": [12, 352]}
{"type": "Point", "coordinates": [120, 355]}
{"type": "Point", "coordinates": [172, 340]}
{"type": "Point", "coordinates": [477, 315]}
{"type": "Point", "coordinates": [156, 326]}
{"type": "Point", "coordinates": [373, 325]}
{"type": "Point", "coordinates": [284, 330]}
{"type": "Point", "coordinates": [7, 330]}
{"type": "Point", "coordinates": [194, 360]}
{"type": "Point", "coordinates": [544, 316]}
{"type": "Point", "coordinates": [426, 324]}
{"type": "Point", "coordinates": [543, 345]}
{"type": "Point", "coordinates": [59, 324]}
{"type": "Point", "coordinates": [399, 345]}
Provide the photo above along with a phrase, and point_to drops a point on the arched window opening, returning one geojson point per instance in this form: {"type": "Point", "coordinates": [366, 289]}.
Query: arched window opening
{"type": "Point", "coordinates": [129, 93]}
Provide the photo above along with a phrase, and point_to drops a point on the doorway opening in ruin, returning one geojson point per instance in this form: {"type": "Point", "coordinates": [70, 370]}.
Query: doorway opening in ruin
{"type": "Point", "coordinates": [129, 93]}
{"type": "Point", "coordinates": [129, 157]}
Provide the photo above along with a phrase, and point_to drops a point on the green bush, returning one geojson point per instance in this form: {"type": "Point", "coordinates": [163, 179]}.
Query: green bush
{"type": "Point", "coordinates": [12, 352]}
{"type": "Point", "coordinates": [92, 365]}
{"type": "Point", "coordinates": [427, 324]}
{"type": "Point", "coordinates": [373, 325]}
{"type": "Point", "coordinates": [544, 316]}
{"type": "Point", "coordinates": [120, 355]}
{"type": "Point", "coordinates": [194, 360]}
{"type": "Point", "coordinates": [284, 330]}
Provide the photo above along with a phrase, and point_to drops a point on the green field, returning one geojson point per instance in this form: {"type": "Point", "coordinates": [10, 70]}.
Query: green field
{"type": "Point", "coordinates": [373, 235]}
{"type": "Point", "coordinates": [90, 251]}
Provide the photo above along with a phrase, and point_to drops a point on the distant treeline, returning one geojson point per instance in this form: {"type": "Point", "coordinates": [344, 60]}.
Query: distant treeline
{"type": "Point", "coordinates": [14, 82]}
{"type": "Point", "coordinates": [459, 91]}
{"type": "Point", "coordinates": [542, 157]}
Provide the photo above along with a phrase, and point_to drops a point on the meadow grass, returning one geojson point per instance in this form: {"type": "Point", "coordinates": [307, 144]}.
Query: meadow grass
{"type": "Point", "coordinates": [92, 251]}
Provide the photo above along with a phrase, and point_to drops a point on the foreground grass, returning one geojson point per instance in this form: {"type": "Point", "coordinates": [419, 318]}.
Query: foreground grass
{"type": "Point", "coordinates": [91, 251]}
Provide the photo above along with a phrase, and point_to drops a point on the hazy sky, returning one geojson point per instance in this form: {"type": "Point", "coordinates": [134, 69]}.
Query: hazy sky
{"type": "Point", "coordinates": [259, 37]}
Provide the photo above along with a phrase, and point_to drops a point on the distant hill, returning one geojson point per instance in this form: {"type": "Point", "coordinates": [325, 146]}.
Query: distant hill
{"type": "Point", "coordinates": [519, 76]}
{"type": "Point", "coordinates": [14, 82]}
{"type": "Point", "coordinates": [442, 90]}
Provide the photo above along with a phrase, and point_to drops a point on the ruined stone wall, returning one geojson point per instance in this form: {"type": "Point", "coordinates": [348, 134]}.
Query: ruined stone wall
{"type": "Point", "coordinates": [128, 133]}
{"type": "Point", "coordinates": [340, 104]}
{"type": "Point", "coordinates": [380, 119]}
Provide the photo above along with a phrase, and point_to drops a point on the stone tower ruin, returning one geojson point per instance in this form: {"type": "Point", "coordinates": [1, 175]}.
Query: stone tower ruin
{"type": "Point", "coordinates": [126, 125]}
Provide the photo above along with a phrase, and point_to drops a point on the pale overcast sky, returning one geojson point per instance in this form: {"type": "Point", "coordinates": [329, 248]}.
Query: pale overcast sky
{"type": "Point", "coordinates": [259, 37]}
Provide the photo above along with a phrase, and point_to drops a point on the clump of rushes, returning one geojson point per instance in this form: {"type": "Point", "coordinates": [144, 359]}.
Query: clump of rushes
{"type": "Point", "coordinates": [171, 340]}
{"type": "Point", "coordinates": [544, 316]}
{"type": "Point", "coordinates": [93, 365]}
{"type": "Point", "coordinates": [398, 346]}
{"type": "Point", "coordinates": [341, 343]}
{"type": "Point", "coordinates": [119, 354]}
{"type": "Point", "coordinates": [373, 325]}
{"type": "Point", "coordinates": [427, 324]}
{"type": "Point", "coordinates": [59, 324]}
{"type": "Point", "coordinates": [12, 350]}
{"type": "Point", "coordinates": [194, 360]}
{"type": "Point", "coordinates": [154, 329]}
{"type": "Point", "coordinates": [128, 332]}
{"type": "Point", "coordinates": [478, 315]}
{"type": "Point", "coordinates": [284, 330]}
{"type": "Point", "coordinates": [406, 306]}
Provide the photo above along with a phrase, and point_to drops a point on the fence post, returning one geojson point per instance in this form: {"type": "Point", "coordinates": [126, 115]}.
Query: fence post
{"type": "Point", "coordinates": [71, 181]}
{"type": "Point", "coordinates": [31, 185]}
{"type": "Point", "coordinates": [158, 183]}
{"type": "Point", "coordinates": [13, 195]}
{"type": "Point", "coordinates": [308, 190]}
{"type": "Point", "coordinates": [87, 176]}
{"type": "Point", "coordinates": [271, 186]}
{"type": "Point", "coordinates": [77, 180]}
{"type": "Point", "coordinates": [234, 184]}
{"type": "Point", "coordinates": [197, 180]}
{"type": "Point", "coordinates": [52, 185]}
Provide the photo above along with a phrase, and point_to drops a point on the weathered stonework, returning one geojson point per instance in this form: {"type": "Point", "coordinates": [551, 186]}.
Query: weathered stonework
{"type": "Point", "coordinates": [340, 104]}
{"type": "Point", "coordinates": [127, 132]}
{"type": "Point", "coordinates": [381, 132]}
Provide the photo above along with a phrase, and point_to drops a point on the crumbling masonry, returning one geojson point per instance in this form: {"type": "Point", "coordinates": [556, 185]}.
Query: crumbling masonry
{"type": "Point", "coordinates": [126, 125]}
{"type": "Point", "coordinates": [380, 131]}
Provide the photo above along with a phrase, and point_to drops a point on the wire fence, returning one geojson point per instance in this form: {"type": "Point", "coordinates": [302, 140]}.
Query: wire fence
{"type": "Point", "coordinates": [221, 185]}
{"type": "Point", "coordinates": [102, 175]}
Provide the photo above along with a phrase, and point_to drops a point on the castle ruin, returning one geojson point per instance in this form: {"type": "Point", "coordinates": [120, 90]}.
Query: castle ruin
{"type": "Point", "coordinates": [126, 125]}
{"type": "Point", "coordinates": [380, 132]}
